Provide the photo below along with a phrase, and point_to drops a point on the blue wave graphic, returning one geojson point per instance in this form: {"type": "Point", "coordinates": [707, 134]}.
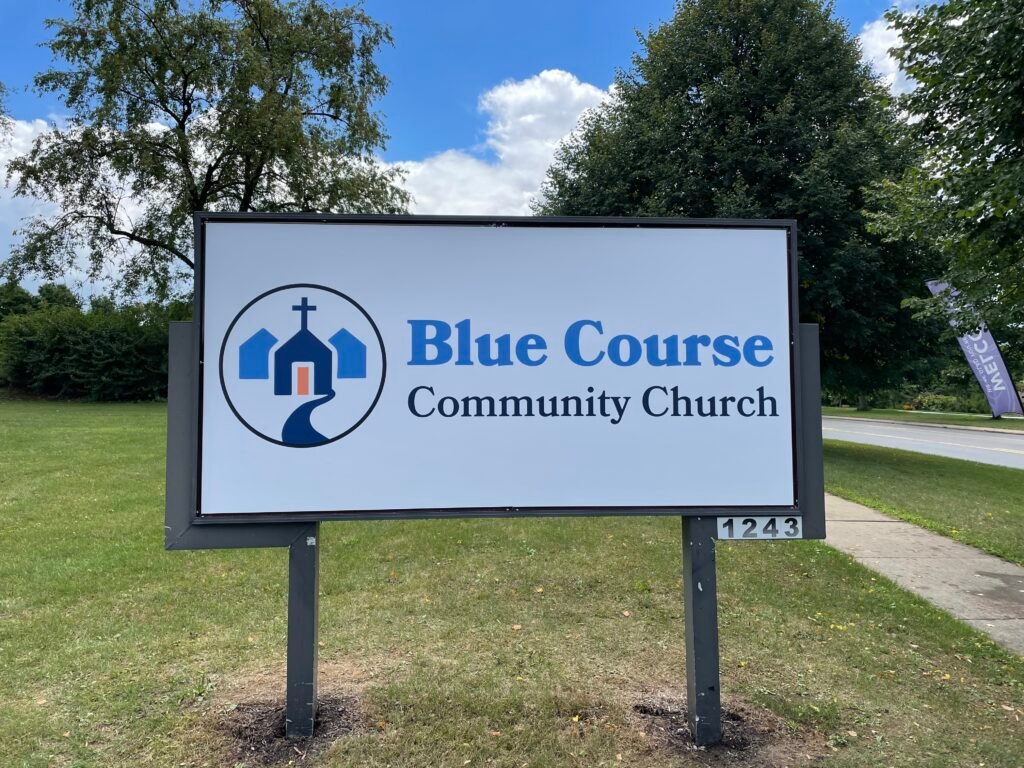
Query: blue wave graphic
{"type": "Point", "coordinates": [298, 430]}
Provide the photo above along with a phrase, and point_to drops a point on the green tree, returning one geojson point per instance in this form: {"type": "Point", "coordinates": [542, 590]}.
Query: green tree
{"type": "Point", "coordinates": [14, 300]}
{"type": "Point", "coordinates": [52, 295]}
{"type": "Point", "coordinates": [966, 199]}
{"type": "Point", "coordinates": [103, 305]}
{"type": "Point", "coordinates": [762, 108]}
{"type": "Point", "coordinates": [177, 107]}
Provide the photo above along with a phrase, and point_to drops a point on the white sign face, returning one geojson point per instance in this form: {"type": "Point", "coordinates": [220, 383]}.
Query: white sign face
{"type": "Point", "coordinates": [358, 367]}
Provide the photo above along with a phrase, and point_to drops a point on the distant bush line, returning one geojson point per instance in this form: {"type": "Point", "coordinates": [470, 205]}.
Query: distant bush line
{"type": "Point", "coordinates": [53, 348]}
{"type": "Point", "coordinates": [937, 395]}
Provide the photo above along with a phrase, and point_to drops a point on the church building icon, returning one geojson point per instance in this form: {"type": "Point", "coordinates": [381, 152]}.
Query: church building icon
{"type": "Point", "coordinates": [304, 365]}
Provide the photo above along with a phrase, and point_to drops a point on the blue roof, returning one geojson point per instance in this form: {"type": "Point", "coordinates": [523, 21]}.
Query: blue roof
{"type": "Point", "coordinates": [351, 355]}
{"type": "Point", "coordinates": [254, 355]}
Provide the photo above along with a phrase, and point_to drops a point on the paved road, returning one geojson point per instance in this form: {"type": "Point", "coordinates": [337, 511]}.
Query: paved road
{"type": "Point", "coordinates": [972, 445]}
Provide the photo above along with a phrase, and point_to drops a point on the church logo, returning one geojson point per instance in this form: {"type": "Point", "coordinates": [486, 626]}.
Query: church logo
{"type": "Point", "coordinates": [302, 365]}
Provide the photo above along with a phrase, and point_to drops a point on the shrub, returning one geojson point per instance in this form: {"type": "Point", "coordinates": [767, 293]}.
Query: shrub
{"type": "Point", "coordinates": [59, 351]}
{"type": "Point", "coordinates": [929, 401]}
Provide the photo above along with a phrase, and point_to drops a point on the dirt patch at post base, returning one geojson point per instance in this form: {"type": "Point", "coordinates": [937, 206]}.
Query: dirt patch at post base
{"type": "Point", "coordinates": [751, 737]}
{"type": "Point", "coordinates": [247, 713]}
{"type": "Point", "coordinates": [256, 730]}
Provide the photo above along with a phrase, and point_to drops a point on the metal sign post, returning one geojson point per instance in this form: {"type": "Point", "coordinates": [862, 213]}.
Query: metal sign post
{"type": "Point", "coordinates": [303, 611]}
{"type": "Point", "coordinates": [700, 606]}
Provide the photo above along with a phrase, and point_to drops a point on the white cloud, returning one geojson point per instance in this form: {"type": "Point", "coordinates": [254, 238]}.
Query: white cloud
{"type": "Point", "coordinates": [17, 142]}
{"type": "Point", "coordinates": [14, 209]}
{"type": "Point", "coordinates": [527, 120]}
{"type": "Point", "coordinates": [876, 39]}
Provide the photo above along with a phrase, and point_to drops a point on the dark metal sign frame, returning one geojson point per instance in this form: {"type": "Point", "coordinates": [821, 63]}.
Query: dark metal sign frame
{"type": "Point", "coordinates": [804, 501]}
{"type": "Point", "coordinates": [185, 530]}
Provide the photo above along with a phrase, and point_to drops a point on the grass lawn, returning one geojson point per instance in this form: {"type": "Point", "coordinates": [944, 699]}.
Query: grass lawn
{"type": "Point", "coordinates": [488, 642]}
{"type": "Point", "coordinates": [978, 504]}
{"type": "Point", "coordinates": [930, 417]}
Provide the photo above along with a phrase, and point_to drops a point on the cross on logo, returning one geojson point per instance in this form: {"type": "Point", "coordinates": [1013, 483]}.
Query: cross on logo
{"type": "Point", "coordinates": [305, 308]}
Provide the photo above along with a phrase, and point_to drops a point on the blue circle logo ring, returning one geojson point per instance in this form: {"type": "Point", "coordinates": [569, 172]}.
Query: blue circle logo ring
{"type": "Point", "coordinates": [308, 386]}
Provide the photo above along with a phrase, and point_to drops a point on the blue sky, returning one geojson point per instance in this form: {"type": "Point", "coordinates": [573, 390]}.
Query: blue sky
{"type": "Point", "coordinates": [447, 53]}
{"type": "Point", "coordinates": [481, 94]}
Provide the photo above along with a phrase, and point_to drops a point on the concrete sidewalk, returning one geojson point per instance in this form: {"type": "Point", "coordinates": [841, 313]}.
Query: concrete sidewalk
{"type": "Point", "coordinates": [980, 589]}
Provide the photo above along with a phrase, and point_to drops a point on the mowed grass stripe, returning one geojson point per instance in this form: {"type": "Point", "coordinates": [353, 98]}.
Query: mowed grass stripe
{"type": "Point", "coordinates": [978, 504]}
{"type": "Point", "coordinates": [116, 653]}
{"type": "Point", "coordinates": [929, 417]}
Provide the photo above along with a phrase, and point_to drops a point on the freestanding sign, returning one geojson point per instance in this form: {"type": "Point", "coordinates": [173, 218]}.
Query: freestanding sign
{"type": "Point", "coordinates": [414, 367]}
